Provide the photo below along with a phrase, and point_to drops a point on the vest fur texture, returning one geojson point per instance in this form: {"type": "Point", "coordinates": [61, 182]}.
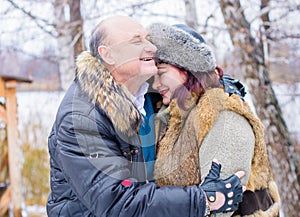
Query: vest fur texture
{"type": "Point", "coordinates": [96, 81]}
{"type": "Point", "coordinates": [177, 160]}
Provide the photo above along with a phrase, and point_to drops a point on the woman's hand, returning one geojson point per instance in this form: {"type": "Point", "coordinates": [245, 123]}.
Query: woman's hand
{"type": "Point", "coordinates": [223, 195]}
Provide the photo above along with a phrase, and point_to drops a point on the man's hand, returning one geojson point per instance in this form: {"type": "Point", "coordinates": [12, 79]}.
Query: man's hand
{"type": "Point", "coordinates": [223, 195]}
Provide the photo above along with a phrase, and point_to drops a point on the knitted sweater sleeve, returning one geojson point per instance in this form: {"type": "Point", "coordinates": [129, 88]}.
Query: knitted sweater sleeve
{"type": "Point", "coordinates": [231, 141]}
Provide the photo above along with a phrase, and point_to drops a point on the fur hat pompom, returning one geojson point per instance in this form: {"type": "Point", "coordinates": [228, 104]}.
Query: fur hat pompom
{"type": "Point", "coordinates": [182, 47]}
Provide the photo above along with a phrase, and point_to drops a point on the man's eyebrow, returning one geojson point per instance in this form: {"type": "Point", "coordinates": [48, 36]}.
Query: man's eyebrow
{"type": "Point", "coordinates": [135, 37]}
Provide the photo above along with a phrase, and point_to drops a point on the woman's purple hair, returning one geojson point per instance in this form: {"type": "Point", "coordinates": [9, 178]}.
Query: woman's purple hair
{"type": "Point", "coordinates": [197, 83]}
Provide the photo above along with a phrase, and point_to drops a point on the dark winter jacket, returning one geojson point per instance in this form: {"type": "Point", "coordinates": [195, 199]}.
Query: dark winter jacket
{"type": "Point", "coordinates": [97, 166]}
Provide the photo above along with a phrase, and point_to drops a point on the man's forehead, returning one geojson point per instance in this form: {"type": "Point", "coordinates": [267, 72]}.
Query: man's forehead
{"type": "Point", "coordinates": [124, 25]}
{"type": "Point", "coordinates": [127, 29]}
{"type": "Point", "coordinates": [124, 34]}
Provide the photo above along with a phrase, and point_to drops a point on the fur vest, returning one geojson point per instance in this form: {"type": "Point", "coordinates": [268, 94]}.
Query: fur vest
{"type": "Point", "coordinates": [178, 160]}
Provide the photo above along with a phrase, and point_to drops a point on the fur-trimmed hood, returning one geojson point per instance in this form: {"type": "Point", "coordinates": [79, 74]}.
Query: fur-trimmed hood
{"type": "Point", "coordinates": [96, 81]}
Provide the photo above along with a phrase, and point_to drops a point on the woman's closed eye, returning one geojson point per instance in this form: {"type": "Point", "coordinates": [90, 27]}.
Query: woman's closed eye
{"type": "Point", "coordinates": [161, 71]}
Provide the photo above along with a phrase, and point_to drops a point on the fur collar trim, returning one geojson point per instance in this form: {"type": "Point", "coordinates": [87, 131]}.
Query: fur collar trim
{"type": "Point", "coordinates": [97, 82]}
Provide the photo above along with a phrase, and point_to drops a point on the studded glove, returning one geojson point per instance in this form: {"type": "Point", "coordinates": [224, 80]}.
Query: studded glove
{"type": "Point", "coordinates": [213, 183]}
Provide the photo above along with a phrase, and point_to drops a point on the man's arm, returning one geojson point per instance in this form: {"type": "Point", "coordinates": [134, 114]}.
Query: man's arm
{"type": "Point", "coordinates": [98, 181]}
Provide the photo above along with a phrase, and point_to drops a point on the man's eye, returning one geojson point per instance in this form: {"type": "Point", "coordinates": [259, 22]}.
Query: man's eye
{"type": "Point", "coordinates": [136, 40]}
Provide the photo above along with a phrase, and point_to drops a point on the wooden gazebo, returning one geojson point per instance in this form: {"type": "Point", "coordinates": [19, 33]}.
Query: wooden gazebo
{"type": "Point", "coordinates": [10, 191]}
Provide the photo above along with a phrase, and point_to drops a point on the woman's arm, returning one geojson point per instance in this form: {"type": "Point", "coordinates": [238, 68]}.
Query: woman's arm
{"type": "Point", "coordinates": [231, 141]}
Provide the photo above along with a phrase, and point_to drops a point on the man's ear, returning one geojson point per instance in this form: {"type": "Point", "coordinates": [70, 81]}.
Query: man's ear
{"type": "Point", "coordinates": [105, 53]}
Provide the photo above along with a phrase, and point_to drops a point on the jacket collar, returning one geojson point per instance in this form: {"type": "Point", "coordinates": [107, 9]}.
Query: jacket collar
{"type": "Point", "coordinates": [97, 82]}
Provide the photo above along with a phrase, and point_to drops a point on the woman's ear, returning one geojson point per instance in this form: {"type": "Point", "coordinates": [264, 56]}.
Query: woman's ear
{"type": "Point", "coordinates": [105, 53]}
{"type": "Point", "coordinates": [219, 71]}
{"type": "Point", "coordinates": [183, 75]}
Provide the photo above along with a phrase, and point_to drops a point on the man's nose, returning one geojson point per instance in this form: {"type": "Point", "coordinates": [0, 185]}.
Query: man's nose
{"type": "Point", "coordinates": [149, 47]}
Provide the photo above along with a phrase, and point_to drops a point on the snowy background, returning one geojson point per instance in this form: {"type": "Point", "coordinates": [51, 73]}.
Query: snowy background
{"type": "Point", "coordinates": [39, 108]}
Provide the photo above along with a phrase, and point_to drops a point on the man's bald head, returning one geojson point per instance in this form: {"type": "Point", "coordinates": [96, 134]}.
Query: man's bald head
{"type": "Point", "coordinates": [111, 27]}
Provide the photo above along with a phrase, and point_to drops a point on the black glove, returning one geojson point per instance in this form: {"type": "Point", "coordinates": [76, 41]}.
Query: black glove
{"type": "Point", "coordinates": [233, 86]}
{"type": "Point", "coordinates": [213, 183]}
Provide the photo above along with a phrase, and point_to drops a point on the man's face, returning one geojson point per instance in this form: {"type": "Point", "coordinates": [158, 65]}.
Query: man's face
{"type": "Point", "coordinates": [132, 52]}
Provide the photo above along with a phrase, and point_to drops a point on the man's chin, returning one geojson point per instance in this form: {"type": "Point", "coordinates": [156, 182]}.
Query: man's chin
{"type": "Point", "coordinates": [149, 71]}
{"type": "Point", "coordinates": [147, 75]}
{"type": "Point", "coordinates": [142, 78]}
{"type": "Point", "coordinates": [148, 67]}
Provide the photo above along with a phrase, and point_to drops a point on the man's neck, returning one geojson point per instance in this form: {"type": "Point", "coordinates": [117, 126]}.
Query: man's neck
{"type": "Point", "coordinates": [138, 99]}
{"type": "Point", "coordinates": [132, 89]}
{"type": "Point", "coordinates": [132, 85]}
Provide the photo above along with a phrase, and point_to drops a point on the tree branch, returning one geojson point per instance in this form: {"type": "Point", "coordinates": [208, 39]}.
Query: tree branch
{"type": "Point", "coordinates": [34, 18]}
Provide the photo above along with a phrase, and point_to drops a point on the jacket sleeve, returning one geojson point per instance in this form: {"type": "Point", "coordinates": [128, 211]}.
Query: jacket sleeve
{"type": "Point", "coordinates": [231, 141]}
{"type": "Point", "coordinates": [94, 166]}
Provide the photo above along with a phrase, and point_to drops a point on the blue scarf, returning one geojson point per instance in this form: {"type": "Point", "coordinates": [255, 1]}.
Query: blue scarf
{"type": "Point", "coordinates": [147, 134]}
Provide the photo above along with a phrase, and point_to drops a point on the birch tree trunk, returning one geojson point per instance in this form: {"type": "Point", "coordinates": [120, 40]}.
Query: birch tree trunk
{"type": "Point", "coordinates": [76, 27]}
{"type": "Point", "coordinates": [191, 18]}
{"type": "Point", "coordinates": [70, 43]}
{"type": "Point", "coordinates": [255, 74]}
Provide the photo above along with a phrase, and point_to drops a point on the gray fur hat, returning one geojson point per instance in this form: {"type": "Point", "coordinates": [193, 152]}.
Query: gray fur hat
{"type": "Point", "coordinates": [179, 46]}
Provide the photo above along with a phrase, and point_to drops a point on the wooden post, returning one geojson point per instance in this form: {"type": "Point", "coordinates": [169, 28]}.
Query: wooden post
{"type": "Point", "coordinates": [8, 114]}
{"type": "Point", "coordinates": [14, 152]}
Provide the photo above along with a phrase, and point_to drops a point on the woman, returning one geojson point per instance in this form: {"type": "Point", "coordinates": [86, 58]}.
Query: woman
{"type": "Point", "coordinates": [203, 122]}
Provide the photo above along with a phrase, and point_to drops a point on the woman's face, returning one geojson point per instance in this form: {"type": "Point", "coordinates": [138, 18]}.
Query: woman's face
{"type": "Point", "coordinates": [167, 80]}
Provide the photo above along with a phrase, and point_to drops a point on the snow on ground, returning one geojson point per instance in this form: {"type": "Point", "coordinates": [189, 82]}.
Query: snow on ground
{"type": "Point", "coordinates": [36, 112]}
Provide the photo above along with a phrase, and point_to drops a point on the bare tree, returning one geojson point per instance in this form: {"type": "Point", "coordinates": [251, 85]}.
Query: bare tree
{"type": "Point", "coordinates": [255, 72]}
{"type": "Point", "coordinates": [66, 29]}
{"type": "Point", "coordinates": [68, 24]}
{"type": "Point", "coordinates": [76, 26]}
{"type": "Point", "coordinates": [191, 13]}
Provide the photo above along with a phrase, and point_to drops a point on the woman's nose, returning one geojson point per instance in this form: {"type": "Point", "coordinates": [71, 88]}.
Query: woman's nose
{"type": "Point", "coordinates": [156, 82]}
